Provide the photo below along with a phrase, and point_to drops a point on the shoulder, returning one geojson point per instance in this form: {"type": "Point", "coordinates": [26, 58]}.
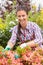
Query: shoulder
{"type": "Point", "coordinates": [33, 25]}
{"type": "Point", "coordinates": [15, 28]}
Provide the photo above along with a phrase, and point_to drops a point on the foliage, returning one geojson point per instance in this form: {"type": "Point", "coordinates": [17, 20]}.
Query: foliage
{"type": "Point", "coordinates": [21, 51]}
{"type": "Point", "coordinates": [1, 48]}
{"type": "Point", "coordinates": [36, 17]}
{"type": "Point", "coordinates": [10, 17]}
{"type": "Point", "coordinates": [0, 20]}
{"type": "Point", "coordinates": [6, 26]}
{"type": "Point", "coordinates": [4, 36]}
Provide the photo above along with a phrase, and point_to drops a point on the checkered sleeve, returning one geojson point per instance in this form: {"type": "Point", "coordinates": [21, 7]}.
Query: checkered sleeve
{"type": "Point", "coordinates": [38, 36]}
{"type": "Point", "coordinates": [14, 35]}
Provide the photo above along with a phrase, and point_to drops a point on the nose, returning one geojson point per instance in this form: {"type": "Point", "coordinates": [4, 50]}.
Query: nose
{"type": "Point", "coordinates": [21, 17]}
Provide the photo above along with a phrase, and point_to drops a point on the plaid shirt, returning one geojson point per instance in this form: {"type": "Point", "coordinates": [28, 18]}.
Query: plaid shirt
{"type": "Point", "coordinates": [31, 32]}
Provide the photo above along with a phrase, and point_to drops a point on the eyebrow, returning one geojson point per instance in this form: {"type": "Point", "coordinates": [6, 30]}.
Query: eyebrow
{"type": "Point", "coordinates": [21, 15]}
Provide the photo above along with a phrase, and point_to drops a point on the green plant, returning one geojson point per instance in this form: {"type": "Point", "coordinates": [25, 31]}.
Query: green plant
{"type": "Point", "coordinates": [37, 17]}
{"type": "Point", "coordinates": [4, 37]}
{"type": "Point", "coordinates": [5, 27]}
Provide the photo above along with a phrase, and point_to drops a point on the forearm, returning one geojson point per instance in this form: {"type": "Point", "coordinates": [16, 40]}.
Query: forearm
{"type": "Point", "coordinates": [31, 43]}
{"type": "Point", "coordinates": [38, 41]}
{"type": "Point", "coordinates": [9, 46]}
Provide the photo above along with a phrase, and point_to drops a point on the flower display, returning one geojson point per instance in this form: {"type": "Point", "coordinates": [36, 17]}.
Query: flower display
{"type": "Point", "coordinates": [28, 56]}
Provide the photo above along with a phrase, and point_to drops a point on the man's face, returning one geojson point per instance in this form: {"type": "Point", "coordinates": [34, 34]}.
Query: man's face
{"type": "Point", "coordinates": [22, 18]}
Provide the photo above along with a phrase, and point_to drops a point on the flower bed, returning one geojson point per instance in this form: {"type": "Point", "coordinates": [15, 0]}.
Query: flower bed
{"type": "Point", "coordinates": [28, 56]}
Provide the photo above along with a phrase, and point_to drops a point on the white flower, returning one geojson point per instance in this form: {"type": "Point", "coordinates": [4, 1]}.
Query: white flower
{"type": "Point", "coordinates": [1, 31]}
{"type": "Point", "coordinates": [12, 22]}
{"type": "Point", "coordinates": [16, 19]}
{"type": "Point", "coordinates": [10, 2]}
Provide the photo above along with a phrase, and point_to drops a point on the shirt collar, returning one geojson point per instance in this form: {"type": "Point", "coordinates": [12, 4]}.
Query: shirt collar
{"type": "Point", "coordinates": [27, 27]}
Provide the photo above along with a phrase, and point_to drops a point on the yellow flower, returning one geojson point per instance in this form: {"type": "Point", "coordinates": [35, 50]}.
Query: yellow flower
{"type": "Point", "coordinates": [2, 25]}
{"type": "Point", "coordinates": [41, 11]}
{"type": "Point", "coordinates": [34, 7]}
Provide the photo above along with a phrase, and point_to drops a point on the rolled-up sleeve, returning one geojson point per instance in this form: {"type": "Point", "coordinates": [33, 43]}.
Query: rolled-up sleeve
{"type": "Point", "coordinates": [14, 35]}
{"type": "Point", "coordinates": [38, 36]}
